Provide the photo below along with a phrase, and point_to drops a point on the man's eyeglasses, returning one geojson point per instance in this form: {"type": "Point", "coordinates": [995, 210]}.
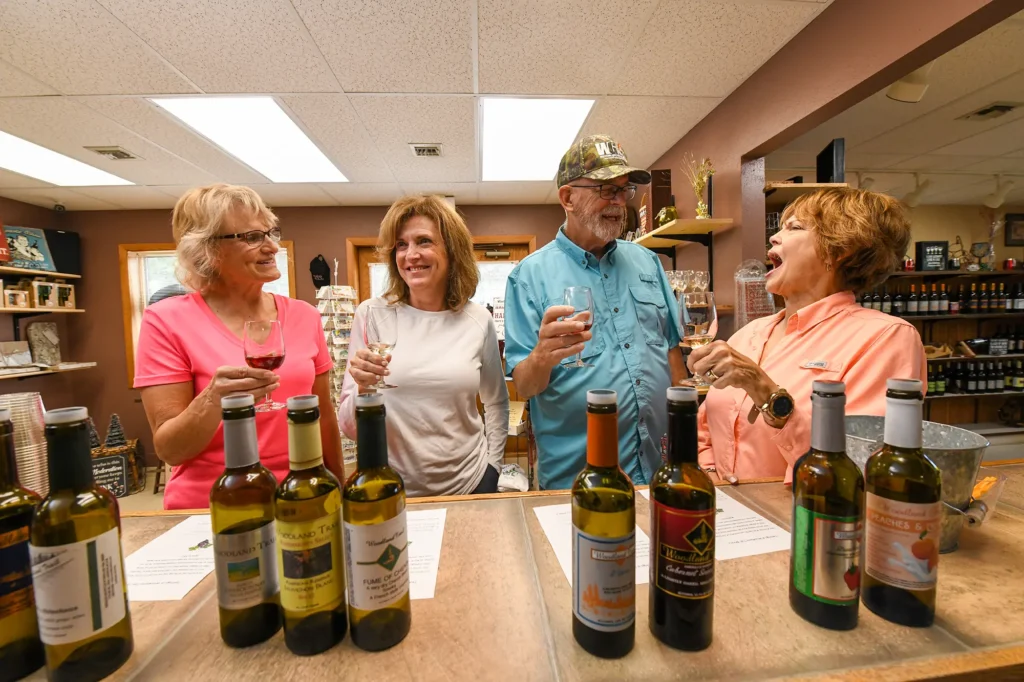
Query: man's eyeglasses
{"type": "Point", "coordinates": [609, 192]}
{"type": "Point", "coordinates": [254, 237]}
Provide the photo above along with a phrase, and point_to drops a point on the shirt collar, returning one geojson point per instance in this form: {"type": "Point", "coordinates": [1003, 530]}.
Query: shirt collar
{"type": "Point", "coordinates": [578, 255]}
{"type": "Point", "coordinates": [819, 311]}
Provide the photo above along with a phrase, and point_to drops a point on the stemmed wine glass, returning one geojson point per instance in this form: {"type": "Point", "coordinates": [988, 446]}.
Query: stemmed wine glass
{"type": "Point", "coordinates": [380, 334]}
{"type": "Point", "coordinates": [263, 341]}
{"type": "Point", "coordinates": [582, 302]}
{"type": "Point", "coordinates": [700, 324]}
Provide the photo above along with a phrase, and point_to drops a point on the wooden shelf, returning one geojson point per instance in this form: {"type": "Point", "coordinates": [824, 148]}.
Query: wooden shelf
{"type": "Point", "coordinates": [957, 273]}
{"type": "Point", "coordinates": [969, 316]}
{"type": "Point", "coordinates": [961, 358]}
{"type": "Point", "coordinates": [44, 372]}
{"type": "Point", "coordinates": [4, 270]}
{"type": "Point", "coordinates": [655, 238]}
{"type": "Point", "coordinates": [778, 194]}
{"type": "Point", "coordinates": [39, 311]}
{"type": "Point", "coordinates": [946, 396]}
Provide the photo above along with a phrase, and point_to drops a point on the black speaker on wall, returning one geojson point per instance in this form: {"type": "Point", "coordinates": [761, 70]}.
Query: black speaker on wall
{"type": "Point", "coordinates": [661, 190]}
{"type": "Point", "coordinates": [66, 250]}
{"type": "Point", "coordinates": [831, 162]}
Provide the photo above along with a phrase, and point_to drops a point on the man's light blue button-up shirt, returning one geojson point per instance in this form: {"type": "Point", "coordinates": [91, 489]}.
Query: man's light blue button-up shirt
{"type": "Point", "coordinates": [636, 322]}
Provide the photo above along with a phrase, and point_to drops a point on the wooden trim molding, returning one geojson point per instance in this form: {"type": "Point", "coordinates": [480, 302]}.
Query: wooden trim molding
{"type": "Point", "coordinates": [126, 300]}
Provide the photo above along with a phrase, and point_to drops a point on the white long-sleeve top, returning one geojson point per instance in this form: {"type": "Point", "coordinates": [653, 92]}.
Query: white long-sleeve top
{"type": "Point", "coordinates": [437, 441]}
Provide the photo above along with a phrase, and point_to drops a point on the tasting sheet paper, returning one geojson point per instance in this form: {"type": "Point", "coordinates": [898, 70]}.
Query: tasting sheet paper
{"type": "Point", "coordinates": [740, 531]}
{"type": "Point", "coordinates": [556, 520]}
{"type": "Point", "coordinates": [426, 531]}
{"type": "Point", "coordinates": [169, 566]}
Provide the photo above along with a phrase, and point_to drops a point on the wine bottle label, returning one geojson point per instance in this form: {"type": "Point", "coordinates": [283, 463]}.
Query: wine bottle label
{"type": "Point", "coordinates": [972, 385]}
{"type": "Point", "coordinates": [1018, 382]}
{"type": "Point", "coordinates": [902, 543]}
{"type": "Point", "coordinates": [377, 558]}
{"type": "Point", "coordinates": [310, 563]}
{"type": "Point", "coordinates": [15, 573]}
{"type": "Point", "coordinates": [604, 580]}
{"type": "Point", "coordinates": [826, 554]}
{"type": "Point", "coordinates": [912, 306]}
{"type": "Point", "coordinates": [79, 588]}
{"type": "Point", "coordinates": [246, 567]}
{"type": "Point", "coordinates": [684, 560]}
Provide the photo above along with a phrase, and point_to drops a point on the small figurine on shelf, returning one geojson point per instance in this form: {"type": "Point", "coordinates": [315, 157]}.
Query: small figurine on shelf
{"type": "Point", "coordinates": [94, 436]}
{"type": "Point", "coordinates": [115, 433]}
{"type": "Point", "coordinates": [699, 174]}
{"type": "Point", "coordinates": [667, 214]}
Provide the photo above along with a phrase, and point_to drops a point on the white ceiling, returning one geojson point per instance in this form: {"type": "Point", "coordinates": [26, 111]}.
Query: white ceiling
{"type": "Point", "coordinates": [363, 78]}
{"type": "Point", "coordinates": [885, 135]}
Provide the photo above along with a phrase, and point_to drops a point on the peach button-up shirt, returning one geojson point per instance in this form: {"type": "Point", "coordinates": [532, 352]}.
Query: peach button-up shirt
{"type": "Point", "coordinates": [832, 339]}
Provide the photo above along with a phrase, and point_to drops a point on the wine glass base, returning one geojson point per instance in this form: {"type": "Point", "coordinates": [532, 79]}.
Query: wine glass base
{"type": "Point", "coordinates": [574, 365]}
{"type": "Point", "coordinates": [270, 407]}
{"type": "Point", "coordinates": [383, 386]}
{"type": "Point", "coordinates": [696, 381]}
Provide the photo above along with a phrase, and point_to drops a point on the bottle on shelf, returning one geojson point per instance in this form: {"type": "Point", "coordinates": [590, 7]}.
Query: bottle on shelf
{"type": "Point", "coordinates": [244, 533]}
{"type": "Point", "coordinates": [308, 515]}
{"type": "Point", "coordinates": [904, 515]}
{"type": "Point", "coordinates": [828, 517]}
{"type": "Point", "coordinates": [1007, 376]}
{"type": "Point", "coordinates": [933, 301]}
{"type": "Point", "coordinates": [943, 301]}
{"type": "Point", "coordinates": [1018, 376]}
{"type": "Point", "coordinates": [973, 302]}
{"type": "Point", "coordinates": [899, 304]}
{"type": "Point", "coordinates": [983, 299]}
{"type": "Point", "coordinates": [681, 609]}
{"type": "Point", "coordinates": [1011, 340]}
{"type": "Point", "coordinates": [876, 300]}
{"type": "Point", "coordinates": [886, 301]}
{"type": "Point", "coordinates": [954, 300]}
{"type": "Point", "coordinates": [21, 651]}
{"type": "Point", "coordinates": [972, 379]}
{"type": "Point", "coordinates": [940, 381]}
{"type": "Point", "coordinates": [603, 523]}
{"type": "Point", "coordinates": [954, 383]}
{"type": "Point", "coordinates": [376, 536]}
{"type": "Point", "coordinates": [1005, 302]}
{"type": "Point", "coordinates": [931, 379]}
{"type": "Point", "coordinates": [1018, 299]}
{"type": "Point", "coordinates": [83, 615]}
{"type": "Point", "coordinates": [994, 378]}
{"type": "Point", "coordinates": [912, 302]}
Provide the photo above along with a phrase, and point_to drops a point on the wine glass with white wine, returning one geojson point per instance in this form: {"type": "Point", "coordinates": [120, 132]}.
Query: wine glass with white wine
{"type": "Point", "coordinates": [582, 301]}
{"type": "Point", "coordinates": [380, 334]}
{"type": "Point", "coordinates": [700, 324]}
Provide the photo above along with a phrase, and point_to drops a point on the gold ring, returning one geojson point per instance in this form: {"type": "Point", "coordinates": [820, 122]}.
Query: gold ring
{"type": "Point", "coordinates": [711, 374]}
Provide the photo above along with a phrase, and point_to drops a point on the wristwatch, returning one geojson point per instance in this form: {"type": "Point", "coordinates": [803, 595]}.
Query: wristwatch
{"type": "Point", "coordinates": [776, 410]}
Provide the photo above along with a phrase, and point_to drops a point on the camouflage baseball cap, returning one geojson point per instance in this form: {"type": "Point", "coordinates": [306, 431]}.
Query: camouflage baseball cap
{"type": "Point", "coordinates": [597, 157]}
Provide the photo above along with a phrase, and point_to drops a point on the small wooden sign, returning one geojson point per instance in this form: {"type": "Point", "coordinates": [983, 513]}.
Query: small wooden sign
{"type": "Point", "coordinates": [111, 472]}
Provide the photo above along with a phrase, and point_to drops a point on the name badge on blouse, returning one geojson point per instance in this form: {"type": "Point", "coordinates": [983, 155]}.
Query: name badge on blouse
{"type": "Point", "coordinates": [815, 364]}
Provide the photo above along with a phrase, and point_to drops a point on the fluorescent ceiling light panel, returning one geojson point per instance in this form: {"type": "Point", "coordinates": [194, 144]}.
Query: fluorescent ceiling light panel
{"type": "Point", "coordinates": [27, 158]}
{"type": "Point", "coordinates": [525, 138]}
{"type": "Point", "coordinates": [258, 132]}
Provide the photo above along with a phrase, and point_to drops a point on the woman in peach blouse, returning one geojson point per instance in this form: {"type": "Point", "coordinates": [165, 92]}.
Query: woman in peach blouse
{"type": "Point", "coordinates": [756, 420]}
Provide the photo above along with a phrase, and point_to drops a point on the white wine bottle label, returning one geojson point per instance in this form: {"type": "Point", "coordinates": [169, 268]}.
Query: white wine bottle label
{"type": "Point", "coordinates": [826, 556]}
{"type": "Point", "coordinates": [311, 570]}
{"type": "Point", "coordinates": [79, 588]}
{"type": "Point", "coordinates": [684, 542]}
{"type": "Point", "coordinates": [377, 558]}
{"type": "Point", "coordinates": [604, 580]}
{"type": "Point", "coordinates": [246, 567]}
{"type": "Point", "coordinates": [902, 543]}
{"type": "Point", "coordinates": [15, 576]}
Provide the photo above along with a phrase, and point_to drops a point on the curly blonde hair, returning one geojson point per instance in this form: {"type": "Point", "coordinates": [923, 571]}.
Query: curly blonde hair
{"type": "Point", "coordinates": [463, 275]}
{"type": "Point", "coordinates": [197, 219]}
{"type": "Point", "coordinates": [864, 234]}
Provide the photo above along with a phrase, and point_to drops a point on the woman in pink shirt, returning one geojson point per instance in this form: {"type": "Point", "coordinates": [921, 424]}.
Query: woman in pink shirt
{"type": "Point", "coordinates": [190, 352]}
{"type": "Point", "coordinates": [756, 420]}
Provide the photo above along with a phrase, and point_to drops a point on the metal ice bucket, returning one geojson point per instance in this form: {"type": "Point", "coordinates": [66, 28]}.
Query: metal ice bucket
{"type": "Point", "coordinates": [956, 452]}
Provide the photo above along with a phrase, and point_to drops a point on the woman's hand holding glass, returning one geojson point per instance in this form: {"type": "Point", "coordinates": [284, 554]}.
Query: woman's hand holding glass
{"type": "Point", "coordinates": [725, 366]}
{"type": "Point", "coordinates": [368, 369]}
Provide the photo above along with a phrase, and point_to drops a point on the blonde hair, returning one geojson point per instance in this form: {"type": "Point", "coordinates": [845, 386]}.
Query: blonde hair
{"type": "Point", "coordinates": [197, 219]}
{"type": "Point", "coordinates": [463, 275]}
{"type": "Point", "coordinates": [863, 234]}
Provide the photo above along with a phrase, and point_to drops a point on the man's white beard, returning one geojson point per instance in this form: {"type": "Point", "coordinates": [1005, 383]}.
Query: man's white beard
{"type": "Point", "coordinates": [605, 230]}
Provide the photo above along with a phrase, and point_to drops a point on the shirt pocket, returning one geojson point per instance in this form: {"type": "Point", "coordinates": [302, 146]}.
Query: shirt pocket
{"type": "Point", "coordinates": [593, 347]}
{"type": "Point", "coordinates": [651, 313]}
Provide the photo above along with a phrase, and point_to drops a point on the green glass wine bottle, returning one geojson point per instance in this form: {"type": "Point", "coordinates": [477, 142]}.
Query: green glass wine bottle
{"type": "Point", "coordinates": [376, 536]}
{"type": "Point", "coordinates": [77, 564]}
{"type": "Point", "coordinates": [603, 538]}
{"type": "Point", "coordinates": [21, 651]}
{"type": "Point", "coordinates": [244, 539]}
{"type": "Point", "coordinates": [828, 518]}
{"type": "Point", "coordinates": [308, 513]}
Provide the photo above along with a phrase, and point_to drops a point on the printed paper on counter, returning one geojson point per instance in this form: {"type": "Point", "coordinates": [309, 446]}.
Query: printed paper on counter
{"type": "Point", "coordinates": [169, 566]}
{"type": "Point", "coordinates": [556, 520]}
{"type": "Point", "coordinates": [426, 531]}
{"type": "Point", "coordinates": [740, 531]}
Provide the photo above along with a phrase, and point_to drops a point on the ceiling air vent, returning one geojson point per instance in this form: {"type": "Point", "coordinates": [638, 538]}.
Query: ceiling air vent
{"type": "Point", "coordinates": [113, 153]}
{"type": "Point", "coordinates": [990, 111]}
{"type": "Point", "coordinates": [426, 150]}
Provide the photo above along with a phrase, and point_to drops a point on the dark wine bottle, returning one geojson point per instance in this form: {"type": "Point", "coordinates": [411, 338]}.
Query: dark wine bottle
{"type": "Point", "coordinates": [682, 535]}
{"type": "Point", "coordinates": [1018, 377]}
{"type": "Point", "coordinates": [603, 525]}
{"type": "Point", "coordinates": [972, 379]}
{"type": "Point", "coordinates": [933, 302]}
{"type": "Point", "coordinates": [876, 301]}
{"type": "Point", "coordinates": [983, 299]}
{"type": "Point", "coordinates": [954, 300]}
{"type": "Point", "coordinates": [899, 305]}
{"type": "Point", "coordinates": [886, 301]}
{"type": "Point", "coordinates": [943, 301]}
{"type": "Point", "coordinates": [931, 379]}
{"type": "Point", "coordinates": [940, 381]}
{"type": "Point", "coordinates": [973, 302]}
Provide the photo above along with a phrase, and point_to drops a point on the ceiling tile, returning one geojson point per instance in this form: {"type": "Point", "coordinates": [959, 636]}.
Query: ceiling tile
{"type": "Point", "coordinates": [514, 192]}
{"type": "Point", "coordinates": [148, 121]}
{"type": "Point", "coordinates": [646, 126]}
{"type": "Point", "coordinates": [11, 180]}
{"type": "Point", "coordinates": [15, 83]}
{"type": "Point", "coordinates": [994, 142]}
{"type": "Point", "coordinates": [230, 45]}
{"type": "Point", "coordinates": [395, 46]}
{"type": "Point", "coordinates": [80, 49]}
{"type": "Point", "coordinates": [938, 162]}
{"type": "Point", "coordinates": [464, 192]}
{"type": "Point", "coordinates": [333, 125]}
{"type": "Point", "coordinates": [544, 40]}
{"type": "Point", "coordinates": [47, 198]}
{"type": "Point", "coordinates": [66, 126]}
{"type": "Point", "coordinates": [1000, 164]}
{"type": "Point", "coordinates": [398, 120]}
{"type": "Point", "coordinates": [138, 197]}
{"type": "Point", "coordinates": [294, 194]}
{"type": "Point", "coordinates": [689, 47]}
{"type": "Point", "coordinates": [363, 194]}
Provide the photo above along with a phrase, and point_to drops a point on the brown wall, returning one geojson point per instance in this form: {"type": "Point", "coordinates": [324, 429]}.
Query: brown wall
{"type": "Point", "coordinates": [99, 334]}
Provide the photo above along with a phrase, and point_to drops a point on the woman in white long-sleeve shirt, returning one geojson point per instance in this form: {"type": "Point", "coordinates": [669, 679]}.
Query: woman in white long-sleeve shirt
{"type": "Point", "coordinates": [446, 354]}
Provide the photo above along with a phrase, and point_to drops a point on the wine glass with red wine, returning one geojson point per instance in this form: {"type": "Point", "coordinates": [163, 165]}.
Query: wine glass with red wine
{"type": "Point", "coordinates": [264, 349]}
{"type": "Point", "coordinates": [380, 334]}
{"type": "Point", "coordinates": [582, 302]}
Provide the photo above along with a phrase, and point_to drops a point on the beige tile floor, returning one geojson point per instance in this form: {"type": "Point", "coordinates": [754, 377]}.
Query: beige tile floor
{"type": "Point", "coordinates": [145, 500]}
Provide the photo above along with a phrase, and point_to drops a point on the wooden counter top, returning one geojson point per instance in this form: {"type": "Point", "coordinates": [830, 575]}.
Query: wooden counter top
{"type": "Point", "coordinates": [502, 611]}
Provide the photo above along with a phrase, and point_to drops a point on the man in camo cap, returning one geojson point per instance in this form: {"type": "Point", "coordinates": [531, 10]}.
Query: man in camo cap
{"type": "Point", "coordinates": [633, 346]}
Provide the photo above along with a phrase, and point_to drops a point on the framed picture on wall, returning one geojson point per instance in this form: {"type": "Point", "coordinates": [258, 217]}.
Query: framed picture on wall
{"type": "Point", "coordinates": [28, 249]}
{"type": "Point", "coordinates": [1014, 230]}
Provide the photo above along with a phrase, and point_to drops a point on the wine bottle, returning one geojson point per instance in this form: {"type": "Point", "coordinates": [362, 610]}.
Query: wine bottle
{"type": "Point", "coordinates": [954, 300]}
{"type": "Point", "coordinates": [244, 532]}
{"type": "Point", "coordinates": [983, 299]}
{"type": "Point", "coordinates": [21, 651]}
{"type": "Point", "coordinates": [904, 515]}
{"type": "Point", "coordinates": [876, 301]}
{"type": "Point", "coordinates": [973, 302]}
{"type": "Point", "coordinates": [972, 379]}
{"type": "Point", "coordinates": [940, 381]}
{"type": "Point", "coordinates": [912, 303]}
{"type": "Point", "coordinates": [682, 535]}
{"type": "Point", "coordinates": [899, 304]}
{"type": "Point", "coordinates": [1007, 376]}
{"type": "Point", "coordinates": [994, 378]}
{"type": "Point", "coordinates": [931, 379]}
{"type": "Point", "coordinates": [376, 537]}
{"type": "Point", "coordinates": [933, 302]}
{"type": "Point", "coordinates": [308, 514]}
{"type": "Point", "coordinates": [886, 301]}
{"type": "Point", "coordinates": [943, 301]}
{"type": "Point", "coordinates": [1018, 300]}
{"type": "Point", "coordinates": [603, 538]}
{"type": "Point", "coordinates": [828, 518]}
{"type": "Point", "coordinates": [1018, 377]}
{"type": "Point", "coordinates": [77, 565]}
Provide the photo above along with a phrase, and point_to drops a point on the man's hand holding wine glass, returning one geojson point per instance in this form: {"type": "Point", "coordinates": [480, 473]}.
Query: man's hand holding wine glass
{"type": "Point", "coordinates": [560, 338]}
